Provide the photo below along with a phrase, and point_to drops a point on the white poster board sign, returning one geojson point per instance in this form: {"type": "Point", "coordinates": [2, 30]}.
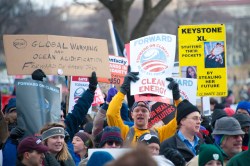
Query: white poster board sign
{"type": "Point", "coordinates": [153, 57]}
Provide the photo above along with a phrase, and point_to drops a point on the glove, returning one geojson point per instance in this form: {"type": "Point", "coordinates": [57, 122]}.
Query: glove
{"type": "Point", "coordinates": [16, 133]}
{"type": "Point", "coordinates": [175, 156]}
{"type": "Point", "coordinates": [131, 76]}
{"type": "Point", "coordinates": [174, 87]}
{"type": "Point", "coordinates": [111, 93]}
{"type": "Point", "coordinates": [93, 82]}
{"type": "Point", "coordinates": [38, 75]}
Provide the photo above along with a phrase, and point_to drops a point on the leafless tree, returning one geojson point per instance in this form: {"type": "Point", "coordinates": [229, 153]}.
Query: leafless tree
{"type": "Point", "coordinates": [119, 10]}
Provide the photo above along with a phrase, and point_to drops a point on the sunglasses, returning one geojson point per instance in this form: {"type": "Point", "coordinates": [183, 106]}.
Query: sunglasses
{"type": "Point", "coordinates": [110, 143]}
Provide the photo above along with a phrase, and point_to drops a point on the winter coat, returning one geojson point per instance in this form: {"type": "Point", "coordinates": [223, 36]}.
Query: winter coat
{"type": "Point", "coordinates": [10, 152]}
{"type": "Point", "coordinates": [176, 143]}
{"type": "Point", "coordinates": [50, 160]}
{"type": "Point", "coordinates": [75, 118]}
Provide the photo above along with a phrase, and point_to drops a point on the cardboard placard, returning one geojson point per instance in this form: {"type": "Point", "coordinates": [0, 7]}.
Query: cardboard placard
{"type": "Point", "coordinates": [56, 55]}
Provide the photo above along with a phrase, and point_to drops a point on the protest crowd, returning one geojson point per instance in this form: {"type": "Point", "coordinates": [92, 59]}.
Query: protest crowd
{"type": "Point", "coordinates": [188, 139]}
{"type": "Point", "coordinates": [119, 133]}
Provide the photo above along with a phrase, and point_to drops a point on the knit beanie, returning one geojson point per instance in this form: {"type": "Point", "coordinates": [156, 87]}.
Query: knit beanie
{"type": "Point", "coordinates": [243, 105]}
{"type": "Point", "coordinates": [149, 138]}
{"type": "Point", "coordinates": [217, 114]}
{"type": "Point", "coordinates": [243, 119]}
{"type": "Point", "coordinates": [184, 108]}
{"type": "Point", "coordinates": [99, 158]}
{"type": "Point", "coordinates": [229, 111]}
{"type": "Point", "coordinates": [209, 152]}
{"type": "Point", "coordinates": [11, 106]}
{"type": "Point", "coordinates": [140, 103]}
{"type": "Point", "coordinates": [111, 134]}
{"type": "Point", "coordinates": [86, 138]}
{"type": "Point", "coordinates": [88, 127]}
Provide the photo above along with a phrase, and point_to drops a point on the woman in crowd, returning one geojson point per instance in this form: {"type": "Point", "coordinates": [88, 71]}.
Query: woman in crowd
{"type": "Point", "coordinates": [53, 136]}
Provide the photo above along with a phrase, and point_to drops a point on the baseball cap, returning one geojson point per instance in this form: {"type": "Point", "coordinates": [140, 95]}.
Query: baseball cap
{"type": "Point", "coordinates": [31, 143]}
{"type": "Point", "coordinates": [149, 138]}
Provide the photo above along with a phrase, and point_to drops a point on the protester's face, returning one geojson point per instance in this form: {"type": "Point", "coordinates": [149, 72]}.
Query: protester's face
{"type": "Point", "coordinates": [112, 144]}
{"type": "Point", "coordinates": [232, 145]}
{"type": "Point", "coordinates": [34, 158]}
{"type": "Point", "coordinates": [78, 145]}
{"type": "Point", "coordinates": [192, 122]}
{"type": "Point", "coordinates": [62, 117]}
{"type": "Point", "coordinates": [140, 116]}
{"type": "Point", "coordinates": [218, 49]}
{"type": "Point", "coordinates": [11, 117]}
{"type": "Point", "coordinates": [245, 129]}
{"type": "Point", "coordinates": [242, 111]}
{"type": "Point", "coordinates": [213, 163]}
{"type": "Point", "coordinates": [55, 143]}
{"type": "Point", "coordinates": [154, 148]}
{"type": "Point", "coordinates": [191, 72]}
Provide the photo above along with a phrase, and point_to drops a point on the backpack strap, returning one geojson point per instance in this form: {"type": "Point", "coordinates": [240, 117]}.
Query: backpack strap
{"type": "Point", "coordinates": [129, 136]}
{"type": "Point", "coordinates": [131, 133]}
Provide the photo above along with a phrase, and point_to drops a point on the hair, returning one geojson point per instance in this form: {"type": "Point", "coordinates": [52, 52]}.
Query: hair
{"type": "Point", "coordinates": [20, 156]}
{"type": "Point", "coordinates": [139, 155]}
{"type": "Point", "coordinates": [188, 75]}
{"type": "Point", "coordinates": [64, 153]}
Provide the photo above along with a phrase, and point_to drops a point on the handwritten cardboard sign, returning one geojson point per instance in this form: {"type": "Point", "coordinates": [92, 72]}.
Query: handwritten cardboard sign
{"type": "Point", "coordinates": [56, 55]}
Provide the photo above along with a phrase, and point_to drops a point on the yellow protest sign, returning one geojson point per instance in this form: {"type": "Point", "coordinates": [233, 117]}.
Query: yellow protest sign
{"type": "Point", "coordinates": [63, 55]}
{"type": "Point", "coordinates": [202, 55]}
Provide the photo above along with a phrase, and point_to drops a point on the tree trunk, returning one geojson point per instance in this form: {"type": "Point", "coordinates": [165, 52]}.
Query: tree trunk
{"type": "Point", "coordinates": [119, 10]}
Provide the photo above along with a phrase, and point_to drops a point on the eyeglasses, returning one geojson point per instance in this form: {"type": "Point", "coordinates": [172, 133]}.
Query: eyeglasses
{"type": "Point", "coordinates": [111, 143]}
{"type": "Point", "coordinates": [196, 118]}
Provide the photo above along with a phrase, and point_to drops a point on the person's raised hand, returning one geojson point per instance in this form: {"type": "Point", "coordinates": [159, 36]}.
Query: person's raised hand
{"type": "Point", "coordinates": [16, 133]}
{"type": "Point", "coordinates": [93, 82]}
{"type": "Point", "coordinates": [38, 75]}
{"type": "Point", "coordinates": [131, 76]}
{"type": "Point", "coordinates": [174, 87]}
{"type": "Point", "coordinates": [111, 93]}
{"type": "Point", "coordinates": [175, 156]}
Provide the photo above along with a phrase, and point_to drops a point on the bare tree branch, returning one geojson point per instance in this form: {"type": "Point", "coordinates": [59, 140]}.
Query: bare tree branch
{"type": "Point", "coordinates": [148, 16]}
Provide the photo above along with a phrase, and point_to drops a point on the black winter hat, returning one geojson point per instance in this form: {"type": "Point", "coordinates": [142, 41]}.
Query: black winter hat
{"type": "Point", "coordinates": [243, 119]}
{"type": "Point", "coordinates": [184, 108]}
{"type": "Point", "coordinates": [217, 114]}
